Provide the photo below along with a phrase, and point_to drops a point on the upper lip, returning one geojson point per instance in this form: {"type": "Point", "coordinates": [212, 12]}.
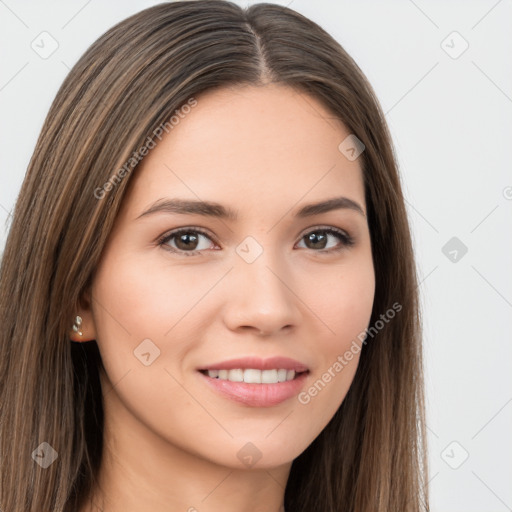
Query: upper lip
{"type": "Point", "coordinates": [259, 363]}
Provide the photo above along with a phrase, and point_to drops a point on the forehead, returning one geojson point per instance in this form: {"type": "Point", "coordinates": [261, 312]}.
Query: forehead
{"type": "Point", "coordinates": [250, 147]}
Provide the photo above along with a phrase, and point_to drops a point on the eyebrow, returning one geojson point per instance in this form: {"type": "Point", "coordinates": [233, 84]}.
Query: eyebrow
{"type": "Point", "coordinates": [213, 209]}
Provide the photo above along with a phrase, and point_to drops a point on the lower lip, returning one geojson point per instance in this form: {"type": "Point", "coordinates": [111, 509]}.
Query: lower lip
{"type": "Point", "coordinates": [257, 395]}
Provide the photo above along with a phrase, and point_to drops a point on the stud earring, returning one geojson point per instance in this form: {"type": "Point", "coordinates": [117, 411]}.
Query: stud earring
{"type": "Point", "coordinates": [77, 325]}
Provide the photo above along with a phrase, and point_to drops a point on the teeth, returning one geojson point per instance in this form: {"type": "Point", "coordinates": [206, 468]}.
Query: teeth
{"type": "Point", "coordinates": [253, 376]}
{"type": "Point", "coordinates": [269, 376]}
{"type": "Point", "coordinates": [236, 375]}
{"type": "Point", "coordinates": [281, 375]}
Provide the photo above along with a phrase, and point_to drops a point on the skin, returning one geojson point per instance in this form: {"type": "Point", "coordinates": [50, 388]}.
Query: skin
{"type": "Point", "coordinates": [171, 442]}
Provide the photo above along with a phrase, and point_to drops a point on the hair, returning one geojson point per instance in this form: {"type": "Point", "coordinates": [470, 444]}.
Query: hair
{"type": "Point", "coordinates": [371, 456]}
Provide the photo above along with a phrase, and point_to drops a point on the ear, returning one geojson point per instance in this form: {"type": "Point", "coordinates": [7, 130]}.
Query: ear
{"type": "Point", "coordinates": [87, 328]}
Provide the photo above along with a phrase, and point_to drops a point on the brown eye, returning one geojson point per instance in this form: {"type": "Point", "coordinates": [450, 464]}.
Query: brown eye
{"type": "Point", "coordinates": [318, 239]}
{"type": "Point", "coordinates": [186, 241]}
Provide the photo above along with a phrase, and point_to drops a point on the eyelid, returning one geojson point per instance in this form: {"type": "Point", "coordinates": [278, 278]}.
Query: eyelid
{"type": "Point", "coordinates": [325, 227]}
{"type": "Point", "coordinates": [348, 240]}
{"type": "Point", "coordinates": [176, 231]}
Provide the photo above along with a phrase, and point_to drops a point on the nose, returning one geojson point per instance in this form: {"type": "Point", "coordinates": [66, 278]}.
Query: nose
{"type": "Point", "coordinates": [261, 299]}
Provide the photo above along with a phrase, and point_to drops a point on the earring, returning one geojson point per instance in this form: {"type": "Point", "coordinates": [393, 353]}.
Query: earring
{"type": "Point", "coordinates": [77, 325]}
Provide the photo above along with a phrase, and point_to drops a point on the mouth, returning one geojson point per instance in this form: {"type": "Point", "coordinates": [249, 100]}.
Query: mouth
{"type": "Point", "coordinates": [256, 382]}
{"type": "Point", "coordinates": [254, 375]}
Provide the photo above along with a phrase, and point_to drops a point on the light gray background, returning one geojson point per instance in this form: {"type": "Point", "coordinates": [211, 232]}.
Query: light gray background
{"type": "Point", "coordinates": [451, 120]}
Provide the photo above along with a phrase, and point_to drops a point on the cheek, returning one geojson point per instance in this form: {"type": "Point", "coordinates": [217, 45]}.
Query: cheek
{"type": "Point", "coordinates": [345, 309]}
{"type": "Point", "coordinates": [134, 308]}
{"type": "Point", "coordinates": [341, 299]}
{"type": "Point", "coordinates": [137, 300]}
{"type": "Point", "coordinates": [352, 303]}
{"type": "Point", "coordinates": [128, 310]}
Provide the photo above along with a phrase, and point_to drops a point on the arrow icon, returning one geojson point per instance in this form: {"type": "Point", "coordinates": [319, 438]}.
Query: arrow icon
{"type": "Point", "coordinates": [45, 455]}
{"type": "Point", "coordinates": [351, 147]}
{"type": "Point", "coordinates": [249, 249]}
{"type": "Point", "coordinates": [454, 249]}
{"type": "Point", "coordinates": [143, 354]}
{"type": "Point", "coordinates": [249, 454]}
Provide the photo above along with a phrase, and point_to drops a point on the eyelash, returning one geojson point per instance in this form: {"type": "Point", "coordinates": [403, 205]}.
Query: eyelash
{"type": "Point", "coordinates": [346, 240]}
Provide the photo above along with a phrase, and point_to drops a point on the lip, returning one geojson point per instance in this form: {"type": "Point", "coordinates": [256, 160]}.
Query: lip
{"type": "Point", "coordinates": [256, 395]}
{"type": "Point", "coordinates": [259, 363]}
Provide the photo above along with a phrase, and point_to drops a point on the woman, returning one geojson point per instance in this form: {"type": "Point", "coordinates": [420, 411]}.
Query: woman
{"type": "Point", "coordinates": [209, 295]}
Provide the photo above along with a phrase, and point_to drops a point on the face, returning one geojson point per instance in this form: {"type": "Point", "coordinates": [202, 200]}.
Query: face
{"type": "Point", "coordinates": [180, 294]}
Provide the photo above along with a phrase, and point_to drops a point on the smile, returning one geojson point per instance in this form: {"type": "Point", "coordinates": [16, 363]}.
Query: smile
{"type": "Point", "coordinates": [253, 375]}
{"type": "Point", "coordinates": [259, 393]}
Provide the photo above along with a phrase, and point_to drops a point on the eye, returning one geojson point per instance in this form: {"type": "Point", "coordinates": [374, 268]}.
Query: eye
{"type": "Point", "coordinates": [187, 241]}
{"type": "Point", "coordinates": [317, 239]}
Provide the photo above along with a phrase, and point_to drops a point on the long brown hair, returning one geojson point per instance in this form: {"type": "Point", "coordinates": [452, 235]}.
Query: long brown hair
{"type": "Point", "coordinates": [371, 457]}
